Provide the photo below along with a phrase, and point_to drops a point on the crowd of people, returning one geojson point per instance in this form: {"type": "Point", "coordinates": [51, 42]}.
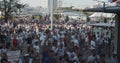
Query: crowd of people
{"type": "Point", "coordinates": [65, 43]}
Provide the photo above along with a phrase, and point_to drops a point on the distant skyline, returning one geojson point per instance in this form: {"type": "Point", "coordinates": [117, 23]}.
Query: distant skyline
{"type": "Point", "coordinates": [65, 3]}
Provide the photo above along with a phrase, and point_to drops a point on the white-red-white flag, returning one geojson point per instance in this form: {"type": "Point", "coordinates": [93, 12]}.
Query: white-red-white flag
{"type": "Point", "coordinates": [111, 1]}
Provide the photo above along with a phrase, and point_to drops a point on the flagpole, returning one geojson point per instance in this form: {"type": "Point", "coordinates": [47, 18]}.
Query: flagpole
{"type": "Point", "coordinates": [51, 14]}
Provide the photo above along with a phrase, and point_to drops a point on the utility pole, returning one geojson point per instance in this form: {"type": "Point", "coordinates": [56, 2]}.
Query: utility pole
{"type": "Point", "coordinates": [59, 10]}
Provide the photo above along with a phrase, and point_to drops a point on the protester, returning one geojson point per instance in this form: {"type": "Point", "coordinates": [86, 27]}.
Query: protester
{"type": "Point", "coordinates": [66, 43]}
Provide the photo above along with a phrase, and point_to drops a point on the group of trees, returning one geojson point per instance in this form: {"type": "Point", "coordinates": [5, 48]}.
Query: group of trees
{"type": "Point", "coordinates": [69, 8]}
{"type": "Point", "coordinates": [8, 7]}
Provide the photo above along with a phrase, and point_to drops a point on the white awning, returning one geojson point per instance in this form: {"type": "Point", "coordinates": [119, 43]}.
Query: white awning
{"type": "Point", "coordinates": [107, 15]}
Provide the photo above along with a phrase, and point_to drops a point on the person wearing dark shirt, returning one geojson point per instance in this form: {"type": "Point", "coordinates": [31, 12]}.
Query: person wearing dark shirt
{"type": "Point", "coordinates": [4, 61]}
{"type": "Point", "coordinates": [102, 58]}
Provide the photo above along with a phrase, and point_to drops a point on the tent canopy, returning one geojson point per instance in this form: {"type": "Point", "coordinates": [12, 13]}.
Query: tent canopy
{"type": "Point", "coordinates": [107, 15]}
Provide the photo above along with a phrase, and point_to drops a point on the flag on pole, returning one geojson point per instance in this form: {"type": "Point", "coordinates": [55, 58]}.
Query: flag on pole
{"type": "Point", "coordinates": [111, 1]}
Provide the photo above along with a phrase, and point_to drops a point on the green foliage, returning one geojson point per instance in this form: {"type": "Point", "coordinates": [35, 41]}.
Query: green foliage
{"type": "Point", "coordinates": [37, 17]}
{"type": "Point", "coordinates": [105, 20]}
{"type": "Point", "coordinates": [40, 16]}
{"type": "Point", "coordinates": [88, 19]}
{"type": "Point", "coordinates": [65, 8]}
{"type": "Point", "coordinates": [67, 19]}
{"type": "Point", "coordinates": [10, 6]}
{"type": "Point", "coordinates": [87, 13]}
{"type": "Point", "coordinates": [56, 16]}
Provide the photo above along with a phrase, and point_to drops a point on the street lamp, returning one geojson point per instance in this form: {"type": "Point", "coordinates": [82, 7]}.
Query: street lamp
{"type": "Point", "coordinates": [59, 9]}
{"type": "Point", "coordinates": [51, 14]}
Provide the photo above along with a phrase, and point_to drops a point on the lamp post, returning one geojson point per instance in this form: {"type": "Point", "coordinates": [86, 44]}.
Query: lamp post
{"type": "Point", "coordinates": [51, 14]}
{"type": "Point", "coordinates": [59, 10]}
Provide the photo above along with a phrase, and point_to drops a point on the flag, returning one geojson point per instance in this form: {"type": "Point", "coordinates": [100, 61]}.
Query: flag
{"type": "Point", "coordinates": [111, 1]}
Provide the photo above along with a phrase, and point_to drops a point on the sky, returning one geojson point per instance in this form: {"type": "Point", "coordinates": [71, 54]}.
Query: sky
{"type": "Point", "coordinates": [75, 3]}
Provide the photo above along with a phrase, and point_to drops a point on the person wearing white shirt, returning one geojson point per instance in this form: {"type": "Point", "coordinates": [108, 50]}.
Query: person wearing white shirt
{"type": "Point", "coordinates": [86, 40]}
{"type": "Point", "coordinates": [61, 51]}
{"type": "Point", "coordinates": [75, 41]}
{"type": "Point", "coordinates": [93, 57]}
{"type": "Point", "coordinates": [36, 47]}
{"type": "Point", "coordinates": [72, 55]}
{"type": "Point", "coordinates": [92, 45]}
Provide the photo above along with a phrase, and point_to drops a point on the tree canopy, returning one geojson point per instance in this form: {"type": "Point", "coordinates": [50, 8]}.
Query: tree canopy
{"type": "Point", "coordinates": [7, 7]}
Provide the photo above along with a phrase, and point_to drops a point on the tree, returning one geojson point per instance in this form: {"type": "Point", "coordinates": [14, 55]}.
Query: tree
{"type": "Point", "coordinates": [66, 19]}
{"type": "Point", "coordinates": [10, 6]}
{"type": "Point", "coordinates": [66, 8]}
{"type": "Point", "coordinates": [105, 20]}
{"type": "Point", "coordinates": [56, 16]}
{"type": "Point", "coordinates": [88, 18]}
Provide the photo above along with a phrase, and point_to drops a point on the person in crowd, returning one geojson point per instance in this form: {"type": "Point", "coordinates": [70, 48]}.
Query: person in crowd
{"type": "Point", "coordinates": [93, 44]}
{"type": "Point", "coordinates": [93, 58]}
{"type": "Point", "coordinates": [4, 61]}
{"type": "Point", "coordinates": [65, 43]}
{"type": "Point", "coordinates": [102, 58]}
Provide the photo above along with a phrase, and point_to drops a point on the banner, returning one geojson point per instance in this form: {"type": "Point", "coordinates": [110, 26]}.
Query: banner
{"type": "Point", "coordinates": [13, 55]}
